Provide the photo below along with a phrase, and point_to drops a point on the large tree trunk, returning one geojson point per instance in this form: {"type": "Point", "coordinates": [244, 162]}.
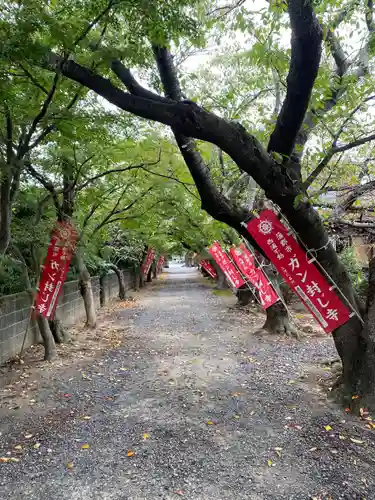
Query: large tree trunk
{"type": "Point", "coordinates": [50, 352]}
{"type": "Point", "coordinates": [121, 282]}
{"type": "Point", "coordinates": [86, 290]}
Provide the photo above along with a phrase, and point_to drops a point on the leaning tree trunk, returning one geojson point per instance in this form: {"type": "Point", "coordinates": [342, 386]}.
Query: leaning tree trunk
{"type": "Point", "coordinates": [86, 290]}
{"type": "Point", "coordinates": [50, 352]}
{"type": "Point", "coordinates": [121, 282]}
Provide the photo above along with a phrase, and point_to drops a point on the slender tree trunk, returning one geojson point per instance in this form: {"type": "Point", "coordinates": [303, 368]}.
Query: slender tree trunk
{"type": "Point", "coordinates": [136, 277]}
{"type": "Point", "coordinates": [103, 295]}
{"type": "Point", "coordinates": [149, 276]}
{"type": "Point", "coordinates": [5, 208]}
{"type": "Point", "coordinates": [50, 352]}
{"type": "Point", "coordinates": [221, 283]}
{"type": "Point", "coordinates": [121, 282]}
{"type": "Point", "coordinates": [86, 290]}
{"type": "Point", "coordinates": [366, 385]}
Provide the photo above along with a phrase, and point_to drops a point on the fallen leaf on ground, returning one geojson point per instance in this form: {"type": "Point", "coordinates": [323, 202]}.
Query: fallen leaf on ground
{"type": "Point", "coordinates": [278, 451]}
{"type": "Point", "coordinates": [36, 446]}
{"type": "Point", "coordinates": [146, 436]}
{"type": "Point", "coordinates": [28, 436]}
{"type": "Point", "coordinates": [342, 437]}
{"type": "Point", "coordinates": [18, 447]}
{"type": "Point", "coordinates": [130, 453]}
{"type": "Point", "coordinates": [86, 417]}
{"type": "Point", "coordinates": [85, 446]}
{"type": "Point", "coordinates": [355, 396]}
{"type": "Point", "coordinates": [210, 422]}
{"type": "Point", "coordinates": [6, 460]}
{"type": "Point", "coordinates": [269, 462]}
{"type": "Point", "coordinates": [69, 465]}
{"type": "Point", "coordinates": [363, 412]}
{"type": "Point", "coordinates": [328, 427]}
{"type": "Point", "coordinates": [357, 441]}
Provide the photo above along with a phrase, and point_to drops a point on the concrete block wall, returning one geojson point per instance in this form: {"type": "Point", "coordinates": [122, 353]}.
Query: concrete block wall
{"type": "Point", "coordinates": [15, 311]}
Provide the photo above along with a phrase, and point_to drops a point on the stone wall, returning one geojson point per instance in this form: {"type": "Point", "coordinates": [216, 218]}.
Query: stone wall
{"type": "Point", "coordinates": [15, 311]}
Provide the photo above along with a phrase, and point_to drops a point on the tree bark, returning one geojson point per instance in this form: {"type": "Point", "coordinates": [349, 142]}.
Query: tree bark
{"type": "Point", "coordinates": [149, 276]}
{"type": "Point", "coordinates": [121, 282]}
{"type": "Point", "coordinates": [59, 332]}
{"type": "Point", "coordinates": [103, 295]}
{"type": "Point", "coordinates": [221, 283]}
{"type": "Point", "coordinates": [245, 297]}
{"type": "Point", "coordinates": [50, 352]}
{"type": "Point", "coordinates": [86, 290]}
{"type": "Point", "coordinates": [366, 385]}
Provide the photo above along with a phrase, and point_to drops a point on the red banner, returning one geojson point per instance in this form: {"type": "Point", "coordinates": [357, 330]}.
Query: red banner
{"type": "Point", "coordinates": [209, 268]}
{"type": "Point", "coordinates": [149, 259]}
{"type": "Point", "coordinates": [55, 268]}
{"type": "Point", "coordinates": [298, 270]}
{"type": "Point", "coordinates": [160, 264]}
{"type": "Point", "coordinates": [225, 264]}
{"type": "Point", "coordinates": [245, 263]}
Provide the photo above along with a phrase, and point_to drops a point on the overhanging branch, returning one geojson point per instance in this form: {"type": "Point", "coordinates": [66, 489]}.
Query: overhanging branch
{"type": "Point", "coordinates": [305, 59]}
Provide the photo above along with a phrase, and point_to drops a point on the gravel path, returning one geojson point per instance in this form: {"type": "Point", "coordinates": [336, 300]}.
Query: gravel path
{"type": "Point", "coordinates": [191, 405]}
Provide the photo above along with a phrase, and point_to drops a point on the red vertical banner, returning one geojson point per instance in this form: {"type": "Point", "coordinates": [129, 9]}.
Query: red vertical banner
{"type": "Point", "coordinates": [225, 264]}
{"type": "Point", "coordinates": [298, 270]}
{"type": "Point", "coordinates": [209, 268]}
{"type": "Point", "coordinates": [149, 259]}
{"type": "Point", "coordinates": [160, 264]}
{"type": "Point", "coordinates": [55, 268]}
{"type": "Point", "coordinates": [245, 263]}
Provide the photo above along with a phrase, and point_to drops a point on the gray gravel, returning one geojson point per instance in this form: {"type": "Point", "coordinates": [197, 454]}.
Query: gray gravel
{"type": "Point", "coordinates": [209, 410]}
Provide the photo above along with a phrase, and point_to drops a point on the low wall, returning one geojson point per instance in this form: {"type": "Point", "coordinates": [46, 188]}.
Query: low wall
{"type": "Point", "coordinates": [15, 310]}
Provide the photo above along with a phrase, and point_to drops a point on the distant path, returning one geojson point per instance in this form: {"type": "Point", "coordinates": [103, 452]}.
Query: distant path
{"type": "Point", "coordinates": [190, 406]}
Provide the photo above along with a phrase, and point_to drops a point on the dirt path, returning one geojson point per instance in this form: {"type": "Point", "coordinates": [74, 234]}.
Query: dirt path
{"type": "Point", "coordinates": [191, 405]}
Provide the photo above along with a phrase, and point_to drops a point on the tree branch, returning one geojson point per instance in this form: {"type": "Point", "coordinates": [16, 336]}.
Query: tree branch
{"type": "Point", "coordinates": [370, 16]}
{"type": "Point", "coordinates": [39, 116]}
{"type": "Point", "coordinates": [115, 211]}
{"type": "Point", "coordinates": [33, 80]}
{"type": "Point", "coordinates": [114, 171]}
{"type": "Point", "coordinates": [305, 60]}
{"type": "Point", "coordinates": [336, 89]}
{"type": "Point", "coordinates": [334, 150]}
{"type": "Point", "coordinates": [125, 76]}
{"type": "Point", "coordinates": [184, 184]}
{"type": "Point", "coordinates": [356, 193]}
